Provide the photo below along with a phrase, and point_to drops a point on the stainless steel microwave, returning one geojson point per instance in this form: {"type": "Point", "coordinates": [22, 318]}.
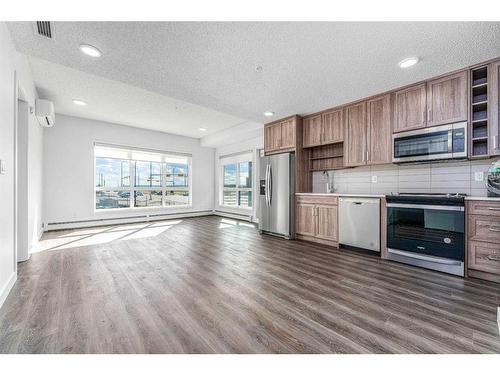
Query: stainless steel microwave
{"type": "Point", "coordinates": [436, 143]}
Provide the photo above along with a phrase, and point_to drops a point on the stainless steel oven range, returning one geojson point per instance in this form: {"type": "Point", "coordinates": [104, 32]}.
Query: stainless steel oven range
{"type": "Point", "coordinates": [427, 230]}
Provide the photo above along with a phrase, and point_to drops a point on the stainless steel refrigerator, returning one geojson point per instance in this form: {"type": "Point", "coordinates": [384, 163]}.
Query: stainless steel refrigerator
{"type": "Point", "coordinates": [276, 195]}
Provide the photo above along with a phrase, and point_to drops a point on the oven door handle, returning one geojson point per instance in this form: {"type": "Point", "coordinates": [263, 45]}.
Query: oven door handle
{"type": "Point", "coordinates": [426, 207]}
{"type": "Point", "coordinates": [424, 257]}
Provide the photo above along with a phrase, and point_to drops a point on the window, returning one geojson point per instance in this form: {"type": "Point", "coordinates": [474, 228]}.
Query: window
{"type": "Point", "coordinates": [128, 178]}
{"type": "Point", "coordinates": [237, 181]}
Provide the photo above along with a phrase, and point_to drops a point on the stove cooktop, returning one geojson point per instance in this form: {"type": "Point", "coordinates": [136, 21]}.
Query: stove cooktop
{"type": "Point", "coordinates": [449, 199]}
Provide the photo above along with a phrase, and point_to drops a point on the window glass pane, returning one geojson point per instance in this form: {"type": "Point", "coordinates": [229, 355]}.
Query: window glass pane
{"type": "Point", "coordinates": [245, 176]}
{"type": "Point", "coordinates": [230, 175]}
{"type": "Point", "coordinates": [245, 199]}
{"type": "Point", "coordinates": [229, 198]}
{"type": "Point", "coordinates": [147, 198]}
{"type": "Point", "coordinates": [112, 172]}
{"type": "Point", "coordinates": [112, 199]}
{"type": "Point", "coordinates": [147, 174]}
{"type": "Point", "coordinates": [176, 198]}
{"type": "Point", "coordinates": [177, 174]}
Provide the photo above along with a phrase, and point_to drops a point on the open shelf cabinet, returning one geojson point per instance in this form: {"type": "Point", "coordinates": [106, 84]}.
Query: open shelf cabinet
{"type": "Point", "coordinates": [479, 112]}
{"type": "Point", "coordinates": [327, 157]}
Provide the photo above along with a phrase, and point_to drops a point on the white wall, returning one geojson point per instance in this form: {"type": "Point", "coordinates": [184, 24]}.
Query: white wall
{"type": "Point", "coordinates": [68, 175]}
{"type": "Point", "coordinates": [7, 98]}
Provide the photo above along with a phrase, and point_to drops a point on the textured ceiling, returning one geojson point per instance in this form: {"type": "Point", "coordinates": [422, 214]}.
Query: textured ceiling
{"type": "Point", "coordinates": [306, 66]}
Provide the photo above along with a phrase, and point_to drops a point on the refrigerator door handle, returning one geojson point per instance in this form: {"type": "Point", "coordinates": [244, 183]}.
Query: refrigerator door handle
{"type": "Point", "coordinates": [270, 185]}
{"type": "Point", "coordinates": [267, 184]}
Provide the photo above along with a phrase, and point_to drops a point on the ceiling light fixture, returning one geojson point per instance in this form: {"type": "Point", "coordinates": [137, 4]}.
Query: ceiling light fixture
{"type": "Point", "coordinates": [90, 50]}
{"type": "Point", "coordinates": [79, 102]}
{"type": "Point", "coordinates": [268, 113]}
{"type": "Point", "coordinates": [406, 63]}
{"type": "Point", "coordinates": [202, 129]}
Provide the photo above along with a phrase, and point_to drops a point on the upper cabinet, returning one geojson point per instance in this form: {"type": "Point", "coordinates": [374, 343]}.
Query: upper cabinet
{"type": "Point", "coordinates": [437, 102]}
{"type": "Point", "coordinates": [280, 136]}
{"type": "Point", "coordinates": [323, 129]}
{"type": "Point", "coordinates": [312, 130]}
{"type": "Point", "coordinates": [355, 135]}
{"type": "Point", "coordinates": [410, 108]}
{"type": "Point", "coordinates": [379, 120]}
{"type": "Point", "coordinates": [494, 106]}
{"type": "Point", "coordinates": [447, 99]}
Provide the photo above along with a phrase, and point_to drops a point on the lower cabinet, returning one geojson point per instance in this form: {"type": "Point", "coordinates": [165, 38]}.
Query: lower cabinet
{"type": "Point", "coordinates": [483, 239]}
{"type": "Point", "coordinates": [317, 219]}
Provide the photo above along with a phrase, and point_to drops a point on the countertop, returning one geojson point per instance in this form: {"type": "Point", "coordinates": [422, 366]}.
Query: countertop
{"type": "Point", "coordinates": [469, 198]}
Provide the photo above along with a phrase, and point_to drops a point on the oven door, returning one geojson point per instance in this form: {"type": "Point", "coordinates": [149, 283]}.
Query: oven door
{"type": "Point", "coordinates": [428, 230]}
{"type": "Point", "coordinates": [425, 144]}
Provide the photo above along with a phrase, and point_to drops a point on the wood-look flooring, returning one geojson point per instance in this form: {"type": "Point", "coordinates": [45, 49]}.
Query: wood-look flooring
{"type": "Point", "coordinates": [214, 285]}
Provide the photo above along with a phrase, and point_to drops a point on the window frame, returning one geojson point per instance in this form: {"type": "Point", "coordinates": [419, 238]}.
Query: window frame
{"type": "Point", "coordinates": [246, 157]}
{"type": "Point", "coordinates": [131, 189]}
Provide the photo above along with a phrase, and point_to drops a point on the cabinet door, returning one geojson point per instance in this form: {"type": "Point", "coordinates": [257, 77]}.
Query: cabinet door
{"type": "Point", "coordinates": [333, 126]}
{"type": "Point", "coordinates": [305, 219]}
{"type": "Point", "coordinates": [410, 108]}
{"type": "Point", "coordinates": [484, 256]}
{"type": "Point", "coordinates": [327, 222]}
{"type": "Point", "coordinates": [288, 134]}
{"type": "Point", "coordinates": [447, 99]}
{"type": "Point", "coordinates": [272, 137]}
{"type": "Point", "coordinates": [312, 131]}
{"type": "Point", "coordinates": [355, 135]}
{"type": "Point", "coordinates": [494, 109]}
{"type": "Point", "coordinates": [379, 113]}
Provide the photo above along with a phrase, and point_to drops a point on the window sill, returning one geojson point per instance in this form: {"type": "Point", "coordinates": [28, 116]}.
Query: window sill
{"type": "Point", "coordinates": [138, 209]}
{"type": "Point", "coordinates": [236, 207]}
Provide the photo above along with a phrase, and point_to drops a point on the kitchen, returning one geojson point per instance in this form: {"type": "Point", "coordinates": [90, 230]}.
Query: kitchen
{"type": "Point", "coordinates": [406, 175]}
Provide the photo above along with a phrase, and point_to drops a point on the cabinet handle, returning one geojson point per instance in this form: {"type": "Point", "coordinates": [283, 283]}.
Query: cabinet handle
{"type": "Point", "coordinates": [429, 114]}
{"type": "Point", "coordinates": [423, 115]}
{"type": "Point", "coordinates": [494, 228]}
{"type": "Point", "coordinates": [494, 208]}
{"type": "Point", "coordinates": [494, 257]}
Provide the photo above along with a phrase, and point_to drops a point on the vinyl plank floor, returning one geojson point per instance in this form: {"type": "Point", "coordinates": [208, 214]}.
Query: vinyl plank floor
{"type": "Point", "coordinates": [215, 285]}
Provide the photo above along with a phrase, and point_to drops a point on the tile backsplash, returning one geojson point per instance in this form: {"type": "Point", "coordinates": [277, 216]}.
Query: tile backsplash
{"type": "Point", "coordinates": [407, 178]}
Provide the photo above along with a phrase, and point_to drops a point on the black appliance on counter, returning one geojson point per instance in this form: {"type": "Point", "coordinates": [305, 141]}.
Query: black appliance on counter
{"type": "Point", "coordinates": [427, 230]}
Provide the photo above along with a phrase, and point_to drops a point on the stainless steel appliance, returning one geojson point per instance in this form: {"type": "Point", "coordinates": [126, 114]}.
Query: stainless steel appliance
{"type": "Point", "coordinates": [276, 195]}
{"type": "Point", "coordinates": [436, 143]}
{"type": "Point", "coordinates": [427, 230]}
{"type": "Point", "coordinates": [359, 222]}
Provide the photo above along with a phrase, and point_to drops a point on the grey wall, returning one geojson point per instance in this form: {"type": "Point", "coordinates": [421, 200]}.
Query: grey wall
{"type": "Point", "coordinates": [421, 178]}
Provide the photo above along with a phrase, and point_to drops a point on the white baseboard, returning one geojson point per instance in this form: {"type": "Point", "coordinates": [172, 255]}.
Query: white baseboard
{"type": "Point", "coordinates": [4, 292]}
{"type": "Point", "coordinates": [232, 215]}
{"type": "Point", "coordinates": [124, 220]}
{"type": "Point", "coordinates": [498, 319]}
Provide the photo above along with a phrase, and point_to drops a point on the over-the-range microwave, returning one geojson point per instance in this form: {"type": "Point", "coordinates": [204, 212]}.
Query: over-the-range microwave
{"type": "Point", "coordinates": [434, 143]}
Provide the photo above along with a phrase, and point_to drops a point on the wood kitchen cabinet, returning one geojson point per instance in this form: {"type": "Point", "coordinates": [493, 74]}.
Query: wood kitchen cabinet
{"type": "Point", "coordinates": [483, 239]}
{"type": "Point", "coordinates": [410, 108]}
{"type": "Point", "coordinates": [447, 99]}
{"type": "Point", "coordinates": [280, 136]}
{"type": "Point", "coordinates": [379, 120]}
{"type": "Point", "coordinates": [355, 139]}
{"type": "Point", "coordinates": [317, 219]}
{"type": "Point", "coordinates": [312, 131]}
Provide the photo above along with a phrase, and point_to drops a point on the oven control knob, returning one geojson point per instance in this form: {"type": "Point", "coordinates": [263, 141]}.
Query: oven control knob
{"type": "Point", "coordinates": [447, 240]}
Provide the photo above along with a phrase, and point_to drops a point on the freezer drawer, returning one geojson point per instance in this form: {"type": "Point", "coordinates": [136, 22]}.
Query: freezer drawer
{"type": "Point", "coordinates": [359, 222]}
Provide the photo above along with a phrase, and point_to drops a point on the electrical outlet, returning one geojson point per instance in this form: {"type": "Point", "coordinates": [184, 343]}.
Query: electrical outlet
{"type": "Point", "coordinates": [374, 179]}
{"type": "Point", "coordinates": [478, 176]}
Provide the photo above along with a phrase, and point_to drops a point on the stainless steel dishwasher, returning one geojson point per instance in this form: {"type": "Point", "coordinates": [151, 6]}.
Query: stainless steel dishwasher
{"type": "Point", "coordinates": [359, 222]}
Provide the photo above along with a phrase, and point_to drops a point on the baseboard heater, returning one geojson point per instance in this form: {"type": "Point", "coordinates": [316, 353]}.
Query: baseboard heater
{"type": "Point", "coordinates": [123, 220]}
{"type": "Point", "coordinates": [233, 215]}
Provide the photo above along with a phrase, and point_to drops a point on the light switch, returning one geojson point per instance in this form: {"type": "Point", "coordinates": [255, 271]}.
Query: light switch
{"type": "Point", "coordinates": [2, 167]}
{"type": "Point", "coordinates": [374, 179]}
{"type": "Point", "coordinates": [478, 176]}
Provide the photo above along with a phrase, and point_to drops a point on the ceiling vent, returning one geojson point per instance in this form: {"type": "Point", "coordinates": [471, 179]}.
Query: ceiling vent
{"type": "Point", "coordinates": [44, 29]}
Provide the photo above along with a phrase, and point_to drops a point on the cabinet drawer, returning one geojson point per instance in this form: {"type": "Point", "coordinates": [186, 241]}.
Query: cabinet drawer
{"type": "Point", "coordinates": [491, 208]}
{"type": "Point", "coordinates": [484, 228]}
{"type": "Point", "coordinates": [317, 199]}
{"type": "Point", "coordinates": [484, 256]}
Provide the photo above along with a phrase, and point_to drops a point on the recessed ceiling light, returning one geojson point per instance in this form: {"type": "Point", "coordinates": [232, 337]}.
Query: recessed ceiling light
{"type": "Point", "coordinates": [90, 50]}
{"type": "Point", "coordinates": [79, 102]}
{"type": "Point", "coordinates": [259, 68]}
{"type": "Point", "coordinates": [268, 113]}
{"type": "Point", "coordinates": [406, 63]}
{"type": "Point", "coordinates": [202, 129]}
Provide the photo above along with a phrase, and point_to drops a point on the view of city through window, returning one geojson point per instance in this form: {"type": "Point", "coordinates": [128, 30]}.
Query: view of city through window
{"type": "Point", "coordinates": [127, 183]}
{"type": "Point", "coordinates": [237, 184]}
